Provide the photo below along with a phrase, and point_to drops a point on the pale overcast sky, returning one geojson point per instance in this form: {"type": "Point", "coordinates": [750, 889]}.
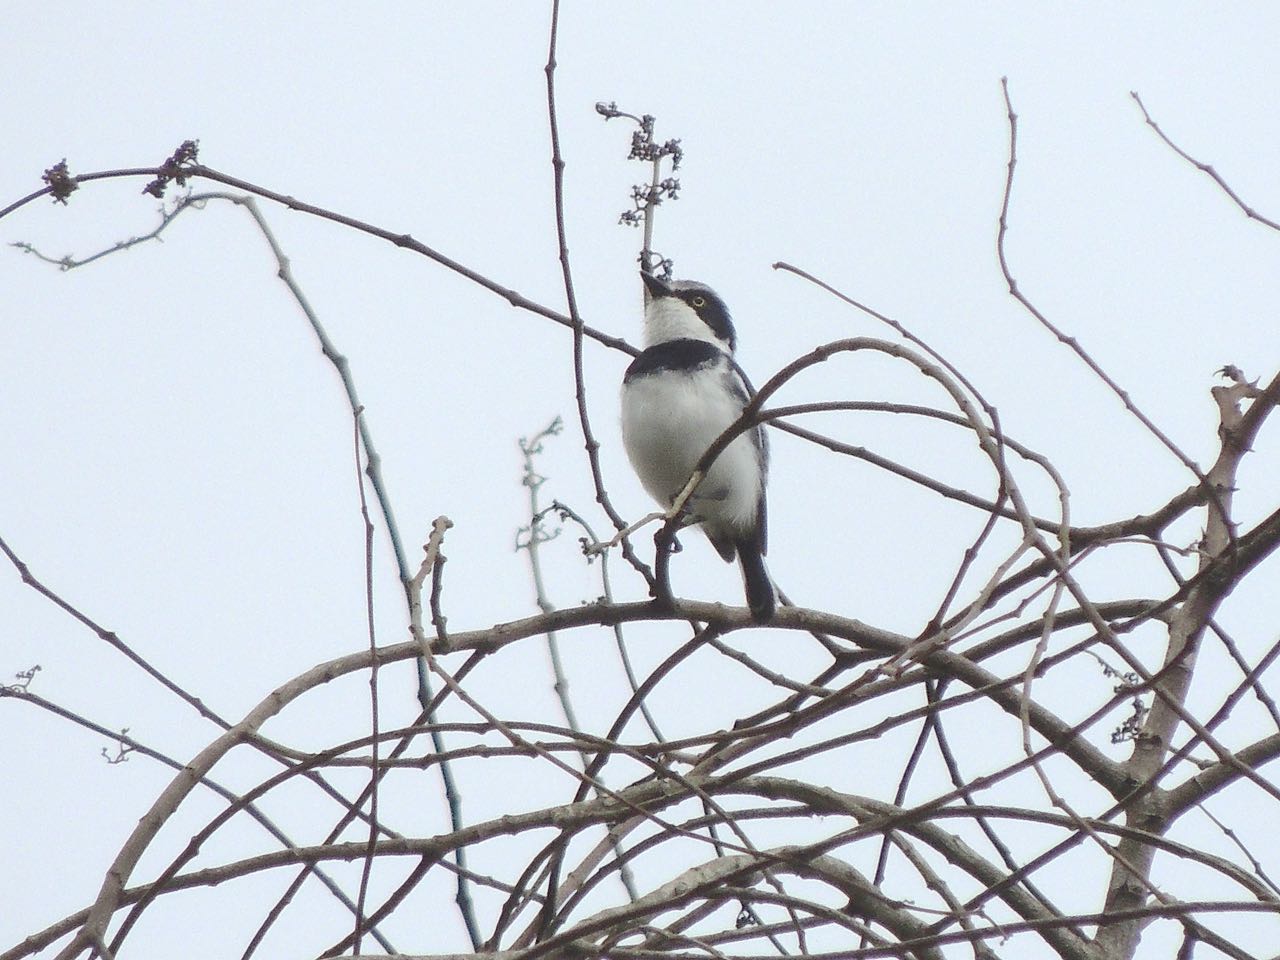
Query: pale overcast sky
{"type": "Point", "coordinates": [179, 455]}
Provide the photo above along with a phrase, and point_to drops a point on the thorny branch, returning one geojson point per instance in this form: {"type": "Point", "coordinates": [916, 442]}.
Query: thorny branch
{"type": "Point", "coordinates": [1000, 684]}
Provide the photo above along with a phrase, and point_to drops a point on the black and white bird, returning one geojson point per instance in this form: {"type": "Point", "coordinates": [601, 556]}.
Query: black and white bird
{"type": "Point", "coordinates": [678, 396]}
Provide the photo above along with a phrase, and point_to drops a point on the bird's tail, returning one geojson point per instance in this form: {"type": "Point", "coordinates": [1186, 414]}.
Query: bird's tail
{"type": "Point", "coordinates": [760, 596]}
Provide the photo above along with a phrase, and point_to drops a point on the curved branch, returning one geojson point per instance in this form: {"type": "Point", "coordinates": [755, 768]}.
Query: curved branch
{"type": "Point", "coordinates": [402, 240]}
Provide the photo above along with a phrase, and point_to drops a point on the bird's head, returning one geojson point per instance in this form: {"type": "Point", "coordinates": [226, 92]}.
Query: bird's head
{"type": "Point", "coordinates": [683, 309]}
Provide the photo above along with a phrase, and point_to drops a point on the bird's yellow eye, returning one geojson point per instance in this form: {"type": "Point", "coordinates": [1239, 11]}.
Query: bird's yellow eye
{"type": "Point", "coordinates": [699, 301]}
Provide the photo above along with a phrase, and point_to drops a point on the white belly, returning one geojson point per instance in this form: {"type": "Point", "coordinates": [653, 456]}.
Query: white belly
{"type": "Point", "coordinates": [668, 422]}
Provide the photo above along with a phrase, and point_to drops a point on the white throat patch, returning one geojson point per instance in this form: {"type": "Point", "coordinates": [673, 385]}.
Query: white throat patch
{"type": "Point", "coordinates": [670, 318]}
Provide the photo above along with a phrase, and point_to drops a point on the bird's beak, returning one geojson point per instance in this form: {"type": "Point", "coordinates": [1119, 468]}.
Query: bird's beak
{"type": "Point", "coordinates": [653, 287]}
